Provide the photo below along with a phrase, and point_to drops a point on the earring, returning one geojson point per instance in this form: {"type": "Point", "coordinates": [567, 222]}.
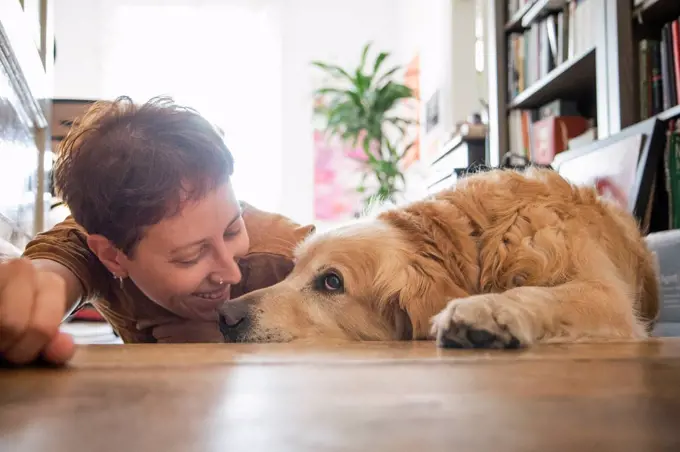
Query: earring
{"type": "Point", "coordinates": [119, 279]}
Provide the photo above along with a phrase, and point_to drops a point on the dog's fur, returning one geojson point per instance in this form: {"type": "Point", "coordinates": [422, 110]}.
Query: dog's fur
{"type": "Point", "coordinates": [505, 259]}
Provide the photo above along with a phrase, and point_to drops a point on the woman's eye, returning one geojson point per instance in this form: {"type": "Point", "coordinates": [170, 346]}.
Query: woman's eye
{"type": "Point", "coordinates": [189, 262]}
{"type": "Point", "coordinates": [332, 282]}
{"type": "Point", "coordinates": [232, 234]}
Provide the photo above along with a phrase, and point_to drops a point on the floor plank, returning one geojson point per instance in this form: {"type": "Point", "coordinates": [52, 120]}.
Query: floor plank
{"type": "Point", "coordinates": [327, 397]}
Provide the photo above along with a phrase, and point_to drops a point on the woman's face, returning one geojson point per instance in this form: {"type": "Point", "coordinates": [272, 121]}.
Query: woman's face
{"type": "Point", "coordinates": [181, 261]}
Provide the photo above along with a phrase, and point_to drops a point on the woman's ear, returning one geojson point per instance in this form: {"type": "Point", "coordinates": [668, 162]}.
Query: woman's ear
{"type": "Point", "coordinates": [108, 254]}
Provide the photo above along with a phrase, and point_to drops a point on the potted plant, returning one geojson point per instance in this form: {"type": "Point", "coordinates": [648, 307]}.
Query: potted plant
{"type": "Point", "coordinates": [360, 108]}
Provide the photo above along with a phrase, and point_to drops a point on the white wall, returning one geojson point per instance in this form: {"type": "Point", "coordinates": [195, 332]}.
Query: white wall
{"type": "Point", "coordinates": [330, 30]}
{"type": "Point", "coordinates": [80, 42]}
{"type": "Point", "coordinates": [309, 29]}
{"type": "Point", "coordinates": [196, 52]}
{"type": "Point", "coordinates": [447, 65]}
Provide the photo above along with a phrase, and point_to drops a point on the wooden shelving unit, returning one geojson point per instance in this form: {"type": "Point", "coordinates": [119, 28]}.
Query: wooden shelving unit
{"type": "Point", "coordinates": [608, 76]}
{"type": "Point", "coordinates": [657, 11]}
{"type": "Point", "coordinates": [600, 78]}
{"type": "Point", "coordinates": [671, 113]}
{"type": "Point", "coordinates": [647, 20]}
{"type": "Point", "coordinates": [540, 9]}
{"type": "Point", "coordinates": [515, 22]}
{"type": "Point", "coordinates": [572, 79]}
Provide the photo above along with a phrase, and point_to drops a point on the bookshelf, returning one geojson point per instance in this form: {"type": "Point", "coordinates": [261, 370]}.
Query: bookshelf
{"type": "Point", "coordinates": [657, 42]}
{"type": "Point", "coordinates": [671, 113]}
{"type": "Point", "coordinates": [628, 74]}
{"type": "Point", "coordinates": [656, 11]}
{"type": "Point", "coordinates": [515, 22]}
{"type": "Point", "coordinates": [590, 47]}
{"type": "Point", "coordinates": [573, 78]}
{"type": "Point", "coordinates": [540, 9]}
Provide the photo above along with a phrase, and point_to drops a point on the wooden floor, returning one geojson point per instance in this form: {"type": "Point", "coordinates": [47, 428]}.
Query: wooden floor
{"type": "Point", "coordinates": [363, 397]}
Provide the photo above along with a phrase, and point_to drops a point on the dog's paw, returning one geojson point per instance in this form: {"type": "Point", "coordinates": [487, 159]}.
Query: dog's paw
{"type": "Point", "coordinates": [482, 321]}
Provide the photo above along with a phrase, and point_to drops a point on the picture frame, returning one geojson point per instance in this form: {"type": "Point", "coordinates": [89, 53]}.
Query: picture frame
{"type": "Point", "coordinates": [632, 155]}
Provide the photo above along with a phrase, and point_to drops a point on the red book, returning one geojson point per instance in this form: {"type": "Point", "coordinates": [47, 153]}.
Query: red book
{"type": "Point", "coordinates": [675, 34]}
{"type": "Point", "coordinates": [551, 135]}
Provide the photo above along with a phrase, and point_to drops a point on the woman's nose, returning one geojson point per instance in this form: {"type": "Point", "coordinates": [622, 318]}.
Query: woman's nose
{"type": "Point", "coordinates": [229, 270]}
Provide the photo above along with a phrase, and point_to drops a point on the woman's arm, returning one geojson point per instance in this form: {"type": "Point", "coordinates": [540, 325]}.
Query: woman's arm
{"type": "Point", "coordinates": [63, 250]}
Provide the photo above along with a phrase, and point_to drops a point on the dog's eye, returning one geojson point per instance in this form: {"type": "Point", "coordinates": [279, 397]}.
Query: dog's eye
{"type": "Point", "coordinates": [330, 282]}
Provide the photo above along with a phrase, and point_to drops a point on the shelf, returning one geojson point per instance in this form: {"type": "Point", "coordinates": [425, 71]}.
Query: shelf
{"type": "Point", "coordinates": [657, 11]}
{"type": "Point", "coordinates": [515, 23]}
{"type": "Point", "coordinates": [666, 115]}
{"type": "Point", "coordinates": [671, 113]}
{"type": "Point", "coordinates": [541, 9]}
{"type": "Point", "coordinates": [570, 79]}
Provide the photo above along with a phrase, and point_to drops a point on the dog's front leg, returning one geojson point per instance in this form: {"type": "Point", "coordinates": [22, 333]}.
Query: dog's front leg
{"type": "Point", "coordinates": [574, 311]}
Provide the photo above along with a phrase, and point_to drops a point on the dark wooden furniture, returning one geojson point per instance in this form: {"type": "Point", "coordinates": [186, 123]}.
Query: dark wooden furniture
{"type": "Point", "coordinates": [64, 113]}
{"type": "Point", "coordinates": [458, 154]}
{"type": "Point", "coordinates": [364, 397]}
{"type": "Point", "coordinates": [600, 78]}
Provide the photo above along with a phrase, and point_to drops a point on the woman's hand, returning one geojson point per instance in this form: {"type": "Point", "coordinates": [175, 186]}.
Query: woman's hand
{"type": "Point", "coordinates": [32, 305]}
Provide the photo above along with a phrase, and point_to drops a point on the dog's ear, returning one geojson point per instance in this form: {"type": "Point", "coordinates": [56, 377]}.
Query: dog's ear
{"type": "Point", "coordinates": [402, 322]}
{"type": "Point", "coordinates": [416, 301]}
{"type": "Point", "coordinates": [423, 294]}
{"type": "Point", "coordinates": [303, 232]}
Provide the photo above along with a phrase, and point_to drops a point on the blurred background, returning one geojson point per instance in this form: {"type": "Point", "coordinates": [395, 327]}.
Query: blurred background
{"type": "Point", "coordinates": [452, 84]}
{"type": "Point", "coordinates": [247, 66]}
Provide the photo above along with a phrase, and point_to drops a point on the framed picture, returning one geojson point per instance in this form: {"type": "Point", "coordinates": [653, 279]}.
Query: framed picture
{"type": "Point", "coordinates": [622, 167]}
{"type": "Point", "coordinates": [64, 112]}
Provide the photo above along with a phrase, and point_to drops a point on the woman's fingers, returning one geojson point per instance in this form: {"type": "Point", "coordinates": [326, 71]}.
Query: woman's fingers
{"type": "Point", "coordinates": [45, 317]}
{"type": "Point", "coordinates": [32, 305]}
{"type": "Point", "coordinates": [17, 296]}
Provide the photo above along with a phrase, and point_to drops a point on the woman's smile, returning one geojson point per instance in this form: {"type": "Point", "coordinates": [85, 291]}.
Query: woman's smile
{"type": "Point", "coordinates": [217, 294]}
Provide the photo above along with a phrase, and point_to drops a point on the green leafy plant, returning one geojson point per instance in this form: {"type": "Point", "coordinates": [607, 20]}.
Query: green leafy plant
{"type": "Point", "coordinates": [359, 108]}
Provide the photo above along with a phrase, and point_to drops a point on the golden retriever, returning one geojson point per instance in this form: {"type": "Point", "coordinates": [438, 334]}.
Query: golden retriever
{"type": "Point", "coordinates": [503, 260]}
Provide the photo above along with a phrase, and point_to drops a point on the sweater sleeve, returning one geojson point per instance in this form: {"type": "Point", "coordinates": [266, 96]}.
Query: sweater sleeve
{"type": "Point", "coordinates": [66, 244]}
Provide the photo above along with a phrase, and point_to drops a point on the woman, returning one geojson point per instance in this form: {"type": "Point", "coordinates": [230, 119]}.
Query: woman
{"type": "Point", "coordinates": [156, 241]}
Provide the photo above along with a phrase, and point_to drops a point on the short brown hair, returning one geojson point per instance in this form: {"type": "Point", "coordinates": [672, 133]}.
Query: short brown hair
{"type": "Point", "coordinates": [124, 167]}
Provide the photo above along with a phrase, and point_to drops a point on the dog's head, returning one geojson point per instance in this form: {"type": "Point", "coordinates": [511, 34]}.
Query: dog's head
{"type": "Point", "coordinates": [353, 283]}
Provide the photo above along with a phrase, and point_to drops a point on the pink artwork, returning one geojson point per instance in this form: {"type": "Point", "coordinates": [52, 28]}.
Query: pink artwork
{"type": "Point", "coordinates": [612, 170]}
{"type": "Point", "coordinates": [337, 174]}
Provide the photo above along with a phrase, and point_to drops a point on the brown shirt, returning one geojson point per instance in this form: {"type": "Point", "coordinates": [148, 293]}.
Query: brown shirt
{"type": "Point", "coordinates": [134, 316]}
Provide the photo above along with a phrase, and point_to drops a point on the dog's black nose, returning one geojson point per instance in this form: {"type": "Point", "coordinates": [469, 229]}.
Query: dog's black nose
{"type": "Point", "coordinates": [233, 313]}
{"type": "Point", "coordinates": [234, 319]}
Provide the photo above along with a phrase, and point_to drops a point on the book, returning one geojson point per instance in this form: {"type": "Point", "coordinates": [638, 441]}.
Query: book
{"type": "Point", "coordinates": [534, 52]}
{"type": "Point", "coordinates": [659, 71]}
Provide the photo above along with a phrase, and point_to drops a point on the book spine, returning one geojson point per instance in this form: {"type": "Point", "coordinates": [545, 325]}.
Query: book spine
{"type": "Point", "coordinates": [675, 28]}
{"type": "Point", "coordinates": [566, 24]}
{"type": "Point", "coordinates": [656, 82]}
{"type": "Point", "coordinates": [674, 192]}
{"type": "Point", "coordinates": [665, 91]}
{"type": "Point", "coordinates": [572, 21]}
{"type": "Point", "coordinates": [670, 81]}
{"type": "Point", "coordinates": [644, 82]}
{"type": "Point", "coordinates": [561, 48]}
